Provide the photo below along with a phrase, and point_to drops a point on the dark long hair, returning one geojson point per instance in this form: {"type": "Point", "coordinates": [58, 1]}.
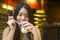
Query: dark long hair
{"type": "Point", "coordinates": [30, 14]}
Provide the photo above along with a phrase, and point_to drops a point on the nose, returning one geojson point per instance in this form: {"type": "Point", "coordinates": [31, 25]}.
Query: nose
{"type": "Point", "coordinates": [23, 18]}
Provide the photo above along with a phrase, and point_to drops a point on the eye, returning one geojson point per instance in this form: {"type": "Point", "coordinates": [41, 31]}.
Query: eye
{"type": "Point", "coordinates": [20, 15]}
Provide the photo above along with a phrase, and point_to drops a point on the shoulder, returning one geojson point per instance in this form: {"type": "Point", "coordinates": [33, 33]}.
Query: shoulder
{"type": "Point", "coordinates": [7, 29]}
{"type": "Point", "coordinates": [5, 33]}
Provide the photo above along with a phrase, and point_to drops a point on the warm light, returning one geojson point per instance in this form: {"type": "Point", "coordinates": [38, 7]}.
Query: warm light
{"type": "Point", "coordinates": [36, 26]}
{"type": "Point", "coordinates": [44, 18]}
{"type": "Point", "coordinates": [4, 6]}
{"type": "Point", "coordinates": [40, 24]}
{"type": "Point", "coordinates": [40, 20]}
{"type": "Point", "coordinates": [36, 15]}
{"type": "Point", "coordinates": [7, 7]}
{"type": "Point", "coordinates": [36, 22]}
{"type": "Point", "coordinates": [10, 8]}
{"type": "Point", "coordinates": [31, 1]}
{"type": "Point", "coordinates": [36, 19]}
{"type": "Point", "coordinates": [42, 4]}
{"type": "Point", "coordinates": [40, 11]}
{"type": "Point", "coordinates": [42, 15]}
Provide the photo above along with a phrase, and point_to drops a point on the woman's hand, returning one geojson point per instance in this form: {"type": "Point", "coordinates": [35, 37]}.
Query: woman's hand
{"type": "Point", "coordinates": [28, 26]}
{"type": "Point", "coordinates": [11, 22]}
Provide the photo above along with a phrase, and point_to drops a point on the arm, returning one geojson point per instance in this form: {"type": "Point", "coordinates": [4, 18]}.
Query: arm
{"type": "Point", "coordinates": [5, 33]}
{"type": "Point", "coordinates": [11, 35]}
{"type": "Point", "coordinates": [12, 26]}
{"type": "Point", "coordinates": [37, 34]}
{"type": "Point", "coordinates": [30, 28]}
{"type": "Point", "coordinates": [8, 35]}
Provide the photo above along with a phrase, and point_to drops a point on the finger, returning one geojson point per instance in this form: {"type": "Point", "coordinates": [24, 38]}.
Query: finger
{"type": "Point", "coordinates": [13, 24]}
{"type": "Point", "coordinates": [10, 17]}
{"type": "Point", "coordinates": [10, 21]}
{"type": "Point", "coordinates": [28, 28]}
{"type": "Point", "coordinates": [26, 25]}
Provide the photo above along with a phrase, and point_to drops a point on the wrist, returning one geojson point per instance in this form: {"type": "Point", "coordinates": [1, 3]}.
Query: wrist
{"type": "Point", "coordinates": [12, 28]}
{"type": "Point", "coordinates": [33, 30]}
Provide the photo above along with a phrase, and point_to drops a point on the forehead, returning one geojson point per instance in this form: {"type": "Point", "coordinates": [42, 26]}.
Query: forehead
{"type": "Point", "coordinates": [23, 10]}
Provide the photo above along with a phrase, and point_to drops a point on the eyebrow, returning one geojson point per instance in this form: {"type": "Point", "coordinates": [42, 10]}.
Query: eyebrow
{"type": "Point", "coordinates": [24, 13]}
{"type": "Point", "coordinates": [20, 13]}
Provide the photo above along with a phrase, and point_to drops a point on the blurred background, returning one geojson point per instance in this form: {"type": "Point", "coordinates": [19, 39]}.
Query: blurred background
{"type": "Point", "coordinates": [46, 16]}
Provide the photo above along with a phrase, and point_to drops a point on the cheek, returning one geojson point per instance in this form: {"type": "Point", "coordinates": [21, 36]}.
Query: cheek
{"type": "Point", "coordinates": [27, 19]}
{"type": "Point", "coordinates": [18, 18]}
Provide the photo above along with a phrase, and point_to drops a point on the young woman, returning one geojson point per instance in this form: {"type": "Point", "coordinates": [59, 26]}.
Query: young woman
{"type": "Point", "coordinates": [21, 25]}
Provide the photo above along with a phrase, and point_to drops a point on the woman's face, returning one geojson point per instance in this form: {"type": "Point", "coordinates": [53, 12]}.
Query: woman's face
{"type": "Point", "coordinates": [22, 15]}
